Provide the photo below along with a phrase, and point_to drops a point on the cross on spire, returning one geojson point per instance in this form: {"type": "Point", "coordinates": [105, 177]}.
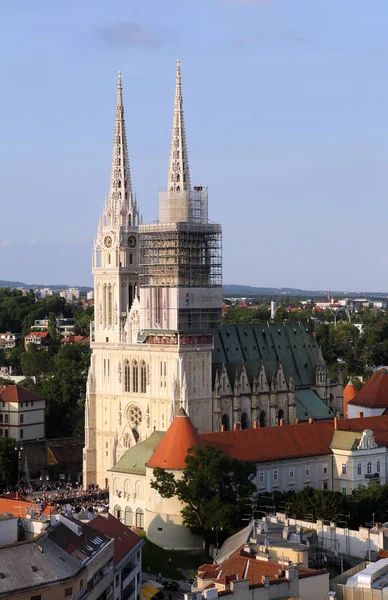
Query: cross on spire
{"type": "Point", "coordinates": [178, 172]}
{"type": "Point", "coordinates": [120, 200]}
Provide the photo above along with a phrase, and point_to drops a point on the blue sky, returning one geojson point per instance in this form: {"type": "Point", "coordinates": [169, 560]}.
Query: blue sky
{"type": "Point", "coordinates": [286, 117]}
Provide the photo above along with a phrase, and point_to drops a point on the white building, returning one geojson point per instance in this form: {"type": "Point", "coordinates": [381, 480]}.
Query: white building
{"type": "Point", "coordinates": [372, 399]}
{"type": "Point", "coordinates": [357, 460]}
{"type": "Point", "coordinates": [158, 302]}
{"type": "Point", "coordinates": [21, 413]}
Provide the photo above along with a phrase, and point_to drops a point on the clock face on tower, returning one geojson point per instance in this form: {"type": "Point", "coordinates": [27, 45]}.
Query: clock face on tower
{"type": "Point", "coordinates": [108, 241]}
{"type": "Point", "coordinates": [132, 241]}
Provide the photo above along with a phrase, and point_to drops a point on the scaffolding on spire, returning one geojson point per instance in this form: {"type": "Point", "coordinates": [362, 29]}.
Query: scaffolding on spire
{"type": "Point", "coordinates": [179, 203]}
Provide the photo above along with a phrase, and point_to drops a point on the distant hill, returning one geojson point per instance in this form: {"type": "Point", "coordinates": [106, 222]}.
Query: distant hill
{"type": "Point", "coordinates": [33, 286]}
{"type": "Point", "coordinates": [247, 290]}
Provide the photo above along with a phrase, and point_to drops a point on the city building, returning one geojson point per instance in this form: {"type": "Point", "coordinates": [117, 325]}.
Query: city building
{"type": "Point", "coordinates": [156, 311]}
{"type": "Point", "coordinates": [8, 340]}
{"type": "Point", "coordinates": [248, 574]}
{"type": "Point", "coordinates": [357, 460]}
{"type": "Point", "coordinates": [157, 341]}
{"type": "Point", "coordinates": [21, 413]}
{"type": "Point", "coordinates": [349, 393]}
{"type": "Point", "coordinates": [268, 372]}
{"type": "Point", "coordinates": [372, 398]}
{"type": "Point", "coordinates": [64, 326]}
{"type": "Point", "coordinates": [41, 339]}
{"type": "Point", "coordinates": [337, 456]}
{"type": "Point", "coordinates": [127, 556]}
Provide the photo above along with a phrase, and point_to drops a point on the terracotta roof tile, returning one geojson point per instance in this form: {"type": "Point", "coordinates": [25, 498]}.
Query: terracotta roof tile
{"type": "Point", "coordinates": [374, 393]}
{"type": "Point", "coordinates": [37, 334]}
{"type": "Point", "coordinates": [124, 538]}
{"type": "Point", "coordinates": [14, 393]}
{"type": "Point", "coordinates": [302, 440]}
{"type": "Point", "coordinates": [172, 450]}
{"type": "Point", "coordinates": [246, 566]}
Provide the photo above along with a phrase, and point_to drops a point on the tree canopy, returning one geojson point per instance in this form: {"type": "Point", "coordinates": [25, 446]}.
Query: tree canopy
{"type": "Point", "coordinates": [213, 488]}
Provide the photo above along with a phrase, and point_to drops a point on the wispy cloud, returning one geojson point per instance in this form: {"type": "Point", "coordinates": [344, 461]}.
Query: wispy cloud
{"type": "Point", "coordinates": [4, 243]}
{"type": "Point", "coordinates": [124, 34]}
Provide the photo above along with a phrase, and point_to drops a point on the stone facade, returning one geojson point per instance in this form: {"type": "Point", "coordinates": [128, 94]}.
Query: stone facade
{"type": "Point", "coordinates": [157, 335]}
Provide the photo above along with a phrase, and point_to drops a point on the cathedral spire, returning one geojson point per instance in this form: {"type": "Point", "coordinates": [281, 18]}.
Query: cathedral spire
{"type": "Point", "coordinates": [178, 172]}
{"type": "Point", "coordinates": [119, 201]}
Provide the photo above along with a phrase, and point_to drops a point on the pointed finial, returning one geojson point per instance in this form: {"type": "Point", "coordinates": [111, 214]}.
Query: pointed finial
{"type": "Point", "coordinates": [178, 173]}
{"type": "Point", "coordinates": [119, 90]}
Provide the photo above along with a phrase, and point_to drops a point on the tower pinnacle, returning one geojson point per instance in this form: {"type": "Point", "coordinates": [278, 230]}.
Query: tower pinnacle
{"type": "Point", "coordinates": [178, 173]}
{"type": "Point", "coordinates": [119, 202]}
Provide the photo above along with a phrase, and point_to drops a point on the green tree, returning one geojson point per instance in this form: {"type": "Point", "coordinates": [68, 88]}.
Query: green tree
{"type": "Point", "coordinates": [317, 504]}
{"type": "Point", "coordinates": [65, 388]}
{"type": "Point", "coordinates": [213, 488]}
{"type": "Point", "coordinates": [8, 462]}
{"type": "Point", "coordinates": [82, 324]}
{"type": "Point", "coordinates": [36, 362]}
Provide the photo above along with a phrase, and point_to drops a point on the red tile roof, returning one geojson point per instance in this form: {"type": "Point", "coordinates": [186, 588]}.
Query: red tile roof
{"type": "Point", "coordinates": [296, 441]}
{"type": "Point", "coordinates": [37, 334]}
{"type": "Point", "coordinates": [262, 444]}
{"type": "Point", "coordinates": [19, 508]}
{"type": "Point", "coordinates": [172, 450]}
{"type": "Point", "coordinates": [125, 539]}
{"type": "Point", "coordinates": [243, 565]}
{"type": "Point", "coordinates": [75, 339]}
{"type": "Point", "coordinates": [14, 393]}
{"type": "Point", "coordinates": [374, 393]}
{"type": "Point", "coordinates": [349, 392]}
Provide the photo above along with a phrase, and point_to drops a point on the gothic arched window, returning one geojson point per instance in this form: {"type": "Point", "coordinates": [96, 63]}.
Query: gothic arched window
{"type": "Point", "coordinates": [139, 519]}
{"type": "Point", "coordinates": [127, 376]}
{"type": "Point", "coordinates": [143, 377]}
{"type": "Point", "coordinates": [129, 516]}
{"type": "Point", "coordinates": [127, 441]}
{"type": "Point", "coordinates": [225, 422]}
{"type": "Point", "coordinates": [263, 419]}
{"type": "Point", "coordinates": [135, 376]}
{"type": "Point", "coordinates": [244, 421]}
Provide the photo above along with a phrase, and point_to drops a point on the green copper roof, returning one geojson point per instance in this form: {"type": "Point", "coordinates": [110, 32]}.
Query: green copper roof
{"type": "Point", "coordinates": [309, 405]}
{"type": "Point", "coordinates": [291, 344]}
{"type": "Point", "coordinates": [345, 440]}
{"type": "Point", "coordinates": [134, 459]}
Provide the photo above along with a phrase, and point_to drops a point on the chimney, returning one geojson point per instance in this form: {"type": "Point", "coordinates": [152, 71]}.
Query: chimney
{"type": "Point", "coordinates": [222, 427]}
{"type": "Point", "coordinates": [256, 425]}
{"type": "Point", "coordinates": [236, 427]}
{"type": "Point", "coordinates": [311, 420]}
{"type": "Point", "coordinates": [281, 422]}
{"type": "Point", "coordinates": [265, 581]}
{"type": "Point", "coordinates": [360, 415]}
{"type": "Point", "coordinates": [297, 421]}
{"type": "Point", "coordinates": [335, 423]}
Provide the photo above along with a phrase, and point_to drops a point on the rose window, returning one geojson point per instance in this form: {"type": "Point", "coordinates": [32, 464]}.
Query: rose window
{"type": "Point", "coordinates": [135, 416]}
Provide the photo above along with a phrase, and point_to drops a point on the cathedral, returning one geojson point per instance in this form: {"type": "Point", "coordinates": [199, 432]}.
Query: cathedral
{"type": "Point", "coordinates": [157, 341]}
{"type": "Point", "coordinates": [158, 296]}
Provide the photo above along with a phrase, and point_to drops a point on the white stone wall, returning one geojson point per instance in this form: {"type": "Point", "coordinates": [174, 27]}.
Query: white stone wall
{"type": "Point", "coordinates": [356, 543]}
{"type": "Point", "coordinates": [355, 465]}
{"type": "Point", "coordinates": [353, 411]}
{"type": "Point", "coordinates": [29, 418]}
{"type": "Point", "coordinates": [294, 474]}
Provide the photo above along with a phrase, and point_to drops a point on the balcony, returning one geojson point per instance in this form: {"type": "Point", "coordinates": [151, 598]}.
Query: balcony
{"type": "Point", "coordinates": [372, 476]}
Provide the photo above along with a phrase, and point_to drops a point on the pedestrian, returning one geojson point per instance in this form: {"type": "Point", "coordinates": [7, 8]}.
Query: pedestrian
{"type": "Point", "coordinates": [159, 578]}
{"type": "Point", "coordinates": [149, 570]}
